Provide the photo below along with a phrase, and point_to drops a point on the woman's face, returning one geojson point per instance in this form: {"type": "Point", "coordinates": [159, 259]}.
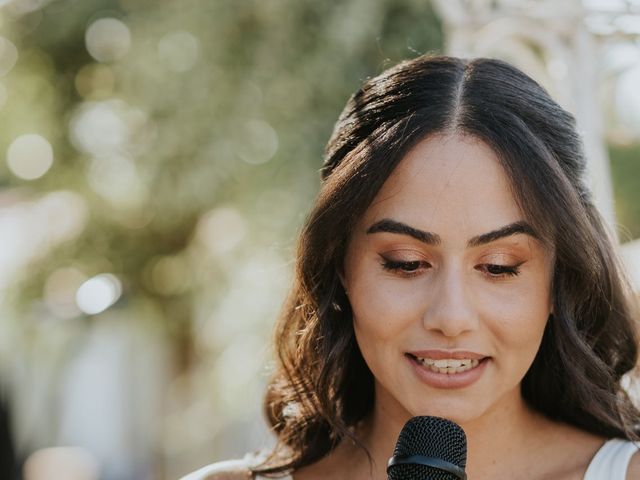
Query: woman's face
{"type": "Point", "coordinates": [450, 289]}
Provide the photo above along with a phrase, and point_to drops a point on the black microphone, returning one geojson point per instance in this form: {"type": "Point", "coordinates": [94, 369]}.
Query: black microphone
{"type": "Point", "coordinates": [429, 448]}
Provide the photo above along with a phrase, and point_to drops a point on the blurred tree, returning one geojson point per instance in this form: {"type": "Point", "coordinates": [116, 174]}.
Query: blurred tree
{"type": "Point", "coordinates": [187, 138]}
{"type": "Point", "coordinates": [219, 102]}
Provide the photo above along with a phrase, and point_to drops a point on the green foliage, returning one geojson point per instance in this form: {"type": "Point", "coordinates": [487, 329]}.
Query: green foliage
{"type": "Point", "coordinates": [625, 172]}
{"type": "Point", "coordinates": [225, 104]}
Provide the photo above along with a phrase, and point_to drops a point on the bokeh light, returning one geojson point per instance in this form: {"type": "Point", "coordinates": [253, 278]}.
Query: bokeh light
{"type": "Point", "coordinates": [98, 293]}
{"type": "Point", "coordinates": [8, 55]}
{"type": "Point", "coordinates": [63, 213]}
{"type": "Point", "coordinates": [108, 39]}
{"type": "Point", "coordinates": [115, 177]}
{"type": "Point", "coordinates": [178, 51]}
{"type": "Point", "coordinates": [100, 128]}
{"type": "Point", "coordinates": [221, 230]}
{"type": "Point", "coordinates": [258, 142]}
{"type": "Point", "coordinates": [30, 156]}
{"type": "Point", "coordinates": [21, 7]}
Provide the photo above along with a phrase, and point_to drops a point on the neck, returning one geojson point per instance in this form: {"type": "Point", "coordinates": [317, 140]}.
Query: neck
{"type": "Point", "coordinates": [503, 432]}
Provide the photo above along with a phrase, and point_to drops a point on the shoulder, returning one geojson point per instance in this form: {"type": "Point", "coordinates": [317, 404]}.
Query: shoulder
{"type": "Point", "coordinates": [633, 471]}
{"type": "Point", "coordinates": [228, 470]}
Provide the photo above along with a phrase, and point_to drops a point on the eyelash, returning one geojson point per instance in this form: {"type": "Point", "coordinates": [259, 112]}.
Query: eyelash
{"type": "Point", "coordinates": [409, 269]}
{"type": "Point", "coordinates": [406, 268]}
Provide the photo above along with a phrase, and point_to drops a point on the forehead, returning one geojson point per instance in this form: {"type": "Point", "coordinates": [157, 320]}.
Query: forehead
{"type": "Point", "coordinates": [447, 184]}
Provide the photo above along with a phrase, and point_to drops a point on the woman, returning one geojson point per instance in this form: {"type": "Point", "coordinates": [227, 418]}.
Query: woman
{"type": "Point", "coordinates": [453, 265]}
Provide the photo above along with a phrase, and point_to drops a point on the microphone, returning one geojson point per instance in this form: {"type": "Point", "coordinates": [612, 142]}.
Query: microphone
{"type": "Point", "coordinates": [429, 448]}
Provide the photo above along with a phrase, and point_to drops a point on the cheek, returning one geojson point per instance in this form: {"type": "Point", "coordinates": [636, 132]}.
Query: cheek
{"type": "Point", "coordinates": [376, 314]}
{"type": "Point", "coordinates": [520, 319]}
{"type": "Point", "coordinates": [379, 323]}
{"type": "Point", "coordinates": [380, 302]}
{"type": "Point", "coordinates": [380, 309]}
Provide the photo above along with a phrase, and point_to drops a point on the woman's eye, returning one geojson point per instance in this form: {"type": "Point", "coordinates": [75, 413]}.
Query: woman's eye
{"type": "Point", "coordinates": [498, 271]}
{"type": "Point", "coordinates": [407, 267]}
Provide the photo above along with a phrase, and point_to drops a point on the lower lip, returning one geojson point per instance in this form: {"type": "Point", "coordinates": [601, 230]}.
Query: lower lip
{"type": "Point", "coordinates": [448, 380]}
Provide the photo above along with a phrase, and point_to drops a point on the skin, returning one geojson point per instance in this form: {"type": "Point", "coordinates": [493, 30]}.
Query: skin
{"type": "Point", "coordinates": [458, 298]}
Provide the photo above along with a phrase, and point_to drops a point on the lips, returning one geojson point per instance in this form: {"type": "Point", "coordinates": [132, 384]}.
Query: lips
{"type": "Point", "coordinates": [448, 369]}
{"type": "Point", "coordinates": [446, 354]}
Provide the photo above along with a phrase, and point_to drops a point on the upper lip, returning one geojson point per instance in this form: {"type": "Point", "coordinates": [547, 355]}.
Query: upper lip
{"type": "Point", "coordinates": [437, 354]}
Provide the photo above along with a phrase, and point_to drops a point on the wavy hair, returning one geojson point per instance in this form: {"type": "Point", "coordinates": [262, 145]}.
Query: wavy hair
{"type": "Point", "coordinates": [322, 387]}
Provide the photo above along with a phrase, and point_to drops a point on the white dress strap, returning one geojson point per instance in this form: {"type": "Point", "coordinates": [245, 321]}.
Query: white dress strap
{"type": "Point", "coordinates": [215, 468]}
{"type": "Point", "coordinates": [255, 458]}
{"type": "Point", "coordinates": [239, 466]}
{"type": "Point", "coordinates": [612, 460]}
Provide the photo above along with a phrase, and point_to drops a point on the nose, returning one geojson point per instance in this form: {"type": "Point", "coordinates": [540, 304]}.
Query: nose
{"type": "Point", "coordinates": [451, 310]}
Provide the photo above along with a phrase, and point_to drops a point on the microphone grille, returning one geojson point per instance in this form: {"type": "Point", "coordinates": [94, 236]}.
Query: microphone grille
{"type": "Point", "coordinates": [430, 437]}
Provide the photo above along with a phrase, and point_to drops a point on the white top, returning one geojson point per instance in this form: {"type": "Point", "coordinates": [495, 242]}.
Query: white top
{"type": "Point", "coordinates": [609, 463]}
{"type": "Point", "coordinates": [612, 460]}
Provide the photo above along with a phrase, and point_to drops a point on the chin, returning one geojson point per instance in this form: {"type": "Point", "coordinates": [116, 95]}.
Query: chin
{"type": "Point", "coordinates": [461, 412]}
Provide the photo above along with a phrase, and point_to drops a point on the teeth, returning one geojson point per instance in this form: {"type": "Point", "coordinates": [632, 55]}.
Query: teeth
{"type": "Point", "coordinates": [449, 365]}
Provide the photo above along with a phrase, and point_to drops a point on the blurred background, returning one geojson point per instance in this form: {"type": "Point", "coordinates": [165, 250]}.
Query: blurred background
{"type": "Point", "coordinates": [159, 159]}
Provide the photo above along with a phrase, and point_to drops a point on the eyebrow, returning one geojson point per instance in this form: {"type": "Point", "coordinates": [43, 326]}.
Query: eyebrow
{"type": "Point", "coordinates": [393, 226]}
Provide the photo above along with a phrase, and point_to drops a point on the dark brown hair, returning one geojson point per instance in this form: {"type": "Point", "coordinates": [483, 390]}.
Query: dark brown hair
{"type": "Point", "coordinates": [322, 386]}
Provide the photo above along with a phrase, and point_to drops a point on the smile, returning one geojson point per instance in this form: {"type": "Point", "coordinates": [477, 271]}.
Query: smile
{"type": "Point", "coordinates": [449, 365]}
{"type": "Point", "coordinates": [445, 372]}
